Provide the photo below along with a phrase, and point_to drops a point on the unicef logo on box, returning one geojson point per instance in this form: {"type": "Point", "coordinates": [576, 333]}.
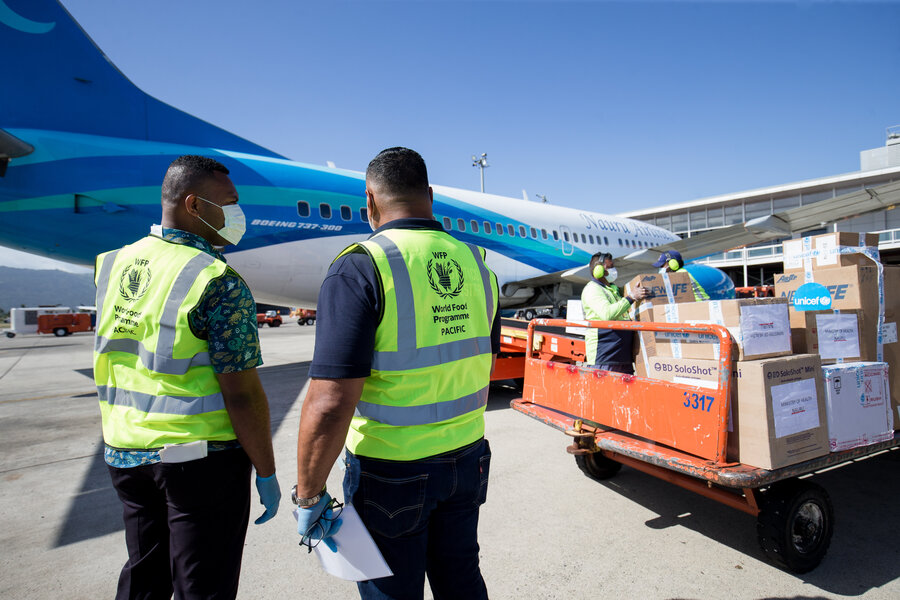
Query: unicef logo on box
{"type": "Point", "coordinates": [812, 296]}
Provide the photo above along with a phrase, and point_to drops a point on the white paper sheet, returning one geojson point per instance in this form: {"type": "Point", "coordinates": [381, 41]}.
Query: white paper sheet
{"type": "Point", "coordinates": [357, 557]}
{"type": "Point", "coordinates": [838, 335]}
{"type": "Point", "coordinates": [765, 329]}
{"type": "Point", "coordinates": [795, 407]}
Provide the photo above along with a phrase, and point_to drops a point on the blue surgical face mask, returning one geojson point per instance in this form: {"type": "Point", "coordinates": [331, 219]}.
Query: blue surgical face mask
{"type": "Point", "coordinates": [235, 222]}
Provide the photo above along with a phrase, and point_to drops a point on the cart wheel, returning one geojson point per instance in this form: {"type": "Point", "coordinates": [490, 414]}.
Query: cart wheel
{"type": "Point", "coordinates": [596, 466]}
{"type": "Point", "coordinates": [795, 524]}
{"type": "Point", "coordinates": [529, 314]}
{"type": "Point", "coordinates": [60, 332]}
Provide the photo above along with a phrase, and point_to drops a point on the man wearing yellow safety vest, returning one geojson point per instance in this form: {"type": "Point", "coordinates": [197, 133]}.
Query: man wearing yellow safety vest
{"type": "Point", "coordinates": [184, 412]}
{"type": "Point", "coordinates": [671, 261]}
{"type": "Point", "coordinates": [608, 349]}
{"type": "Point", "coordinates": [407, 334]}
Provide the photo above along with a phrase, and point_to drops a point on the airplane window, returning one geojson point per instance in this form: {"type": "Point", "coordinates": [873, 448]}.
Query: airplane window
{"type": "Point", "coordinates": [544, 233]}
{"type": "Point", "coordinates": [325, 211]}
{"type": "Point", "coordinates": [487, 227]}
{"type": "Point", "coordinates": [448, 224]}
{"type": "Point", "coordinates": [512, 230]}
{"type": "Point", "coordinates": [364, 214]}
{"type": "Point", "coordinates": [461, 224]}
{"type": "Point", "coordinates": [303, 209]}
{"type": "Point", "coordinates": [583, 239]}
{"type": "Point", "coordinates": [620, 241]}
{"type": "Point", "coordinates": [591, 238]}
{"type": "Point", "coordinates": [499, 229]}
{"type": "Point", "coordinates": [534, 233]}
{"type": "Point", "coordinates": [555, 236]}
{"type": "Point", "coordinates": [346, 213]}
{"type": "Point", "coordinates": [474, 225]}
{"type": "Point", "coordinates": [606, 240]}
{"type": "Point", "coordinates": [566, 235]}
{"type": "Point", "coordinates": [522, 231]}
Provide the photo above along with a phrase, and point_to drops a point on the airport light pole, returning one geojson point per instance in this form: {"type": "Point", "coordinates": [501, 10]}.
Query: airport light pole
{"type": "Point", "coordinates": [481, 163]}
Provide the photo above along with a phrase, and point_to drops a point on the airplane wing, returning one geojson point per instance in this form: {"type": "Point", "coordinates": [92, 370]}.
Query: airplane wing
{"type": "Point", "coordinates": [769, 227]}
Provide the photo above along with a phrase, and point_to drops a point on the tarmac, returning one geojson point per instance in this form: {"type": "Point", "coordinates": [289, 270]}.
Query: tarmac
{"type": "Point", "coordinates": [546, 532]}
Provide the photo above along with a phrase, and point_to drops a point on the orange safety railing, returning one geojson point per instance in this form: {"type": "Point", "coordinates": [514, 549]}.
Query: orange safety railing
{"type": "Point", "coordinates": [688, 418]}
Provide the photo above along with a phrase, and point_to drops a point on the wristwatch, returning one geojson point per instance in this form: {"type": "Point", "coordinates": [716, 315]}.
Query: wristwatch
{"type": "Point", "coordinates": [306, 502]}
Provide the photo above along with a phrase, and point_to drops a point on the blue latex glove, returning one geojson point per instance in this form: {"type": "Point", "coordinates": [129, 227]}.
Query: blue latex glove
{"type": "Point", "coordinates": [269, 496]}
{"type": "Point", "coordinates": [314, 523]}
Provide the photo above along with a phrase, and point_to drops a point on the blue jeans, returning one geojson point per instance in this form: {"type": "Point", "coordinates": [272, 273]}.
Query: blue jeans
{"type": "Point", "coordinates": [423, 515]}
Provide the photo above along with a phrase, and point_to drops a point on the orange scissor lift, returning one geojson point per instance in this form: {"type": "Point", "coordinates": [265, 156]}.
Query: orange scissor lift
{"type": "Point", "coordinates": [679, 433]}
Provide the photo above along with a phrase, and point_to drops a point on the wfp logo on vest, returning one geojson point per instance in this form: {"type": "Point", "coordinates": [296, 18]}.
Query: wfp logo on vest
{"type": "Point", "coordinates": [135, 280]}
{"type": "Point", "coordinates": [812, 296]}
{"type": "Point", "coordinates": [445, 275]}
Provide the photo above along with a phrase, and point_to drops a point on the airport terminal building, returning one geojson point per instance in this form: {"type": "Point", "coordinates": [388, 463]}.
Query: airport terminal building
{"type": "Point", "coordinates": [756, 265]}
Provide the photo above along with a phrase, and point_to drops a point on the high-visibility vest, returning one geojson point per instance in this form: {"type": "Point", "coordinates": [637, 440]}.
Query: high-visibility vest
{"type": "Point", "coordinates": [153, 375]}
{"type": "Point", "coordinates": [428, 387]}
{"type": "Point", "coordinates": [609, 337]}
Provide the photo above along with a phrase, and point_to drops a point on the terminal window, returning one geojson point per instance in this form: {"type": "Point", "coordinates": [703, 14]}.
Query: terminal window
{"type": "Point", "coordinates": [303, 208]}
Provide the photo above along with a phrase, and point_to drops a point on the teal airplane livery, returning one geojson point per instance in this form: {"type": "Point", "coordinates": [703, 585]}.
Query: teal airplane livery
{"type": "Point", "coordinates": [83, 152]}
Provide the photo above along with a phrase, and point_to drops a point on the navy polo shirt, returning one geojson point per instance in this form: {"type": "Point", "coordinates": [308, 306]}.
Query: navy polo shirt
{"type": "Point", "coordinates": [350, 308]}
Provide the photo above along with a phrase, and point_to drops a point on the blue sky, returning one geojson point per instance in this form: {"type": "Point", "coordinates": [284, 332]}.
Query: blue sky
{"type": "Point", "coordinates": [597, 105]}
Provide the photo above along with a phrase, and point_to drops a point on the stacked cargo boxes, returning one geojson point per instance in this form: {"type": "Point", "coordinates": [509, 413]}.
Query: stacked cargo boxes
{"type": "Point", "coordinates": [856, 334]}
{"type": "Point", "coordinates": [777, 404]}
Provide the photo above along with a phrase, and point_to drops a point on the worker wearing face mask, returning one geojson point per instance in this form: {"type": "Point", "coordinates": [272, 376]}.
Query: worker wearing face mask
{"type": "Point", "coordinates": [601, 300]}
{"type": "Point", "coordinates": [184, 413]}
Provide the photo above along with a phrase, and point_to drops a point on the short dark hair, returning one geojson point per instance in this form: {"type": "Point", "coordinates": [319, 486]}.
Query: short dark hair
{"type": "Point", "coordinates": [400, 170]}
{"type": "Point", "coordinates": [187, 174]}
{"type": "Point", "coordinates": [600, 258]}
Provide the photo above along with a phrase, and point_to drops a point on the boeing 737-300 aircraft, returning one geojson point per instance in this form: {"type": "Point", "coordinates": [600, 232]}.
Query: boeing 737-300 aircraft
{"type": "Point", "coordinates": [83, 152]}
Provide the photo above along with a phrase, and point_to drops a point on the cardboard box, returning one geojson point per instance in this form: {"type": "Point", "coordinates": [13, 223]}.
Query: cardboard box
{"type": "Point", "coordinates": [679, 289]}
{"type": "Point", "coordinates": [827, 250]}
{"type": "Point", "coordinates": [857, 398]}
{"type": "Point", "coordinates": [759, 326]}
{"type": "Point", "coordinates": [856, 288]}
{"type": "Point", "coordinates": [778, 415]}
{"type": "Point", "coordinates": [841, 335]}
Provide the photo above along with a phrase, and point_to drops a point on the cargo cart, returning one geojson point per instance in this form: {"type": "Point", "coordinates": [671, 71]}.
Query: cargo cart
{"type": "Point", "coordinates": [549, 343]}
{"type": "Point", "coordinates": [679, 433]}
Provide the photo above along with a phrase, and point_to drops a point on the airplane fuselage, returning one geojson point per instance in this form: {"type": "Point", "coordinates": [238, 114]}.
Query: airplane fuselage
{"type": "Point", "coordinates": [88, 194]}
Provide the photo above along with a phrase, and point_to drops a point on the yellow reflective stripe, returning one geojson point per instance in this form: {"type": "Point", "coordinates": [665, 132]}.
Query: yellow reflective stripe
{"type": "Point", "coordinates": [169, 405]}
{"type": "Point", "coordinates": [422, 415]}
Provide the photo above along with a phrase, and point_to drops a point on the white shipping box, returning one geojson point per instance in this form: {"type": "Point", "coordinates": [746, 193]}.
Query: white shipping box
{"type": "Point", "coordinates": [857, 399]}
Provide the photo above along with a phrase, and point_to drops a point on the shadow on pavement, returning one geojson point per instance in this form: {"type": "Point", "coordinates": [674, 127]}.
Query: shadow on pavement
{"type": "Point", "coordinates": [96, 511]}
{"type": "Point", "coordinates": [863, 554]}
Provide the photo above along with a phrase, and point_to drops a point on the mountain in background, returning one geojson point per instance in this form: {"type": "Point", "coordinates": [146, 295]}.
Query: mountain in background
{"type": "Point", "coordinates": [34, 287]}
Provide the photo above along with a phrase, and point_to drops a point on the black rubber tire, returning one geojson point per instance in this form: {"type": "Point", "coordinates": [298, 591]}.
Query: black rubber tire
{"type": "Point", "coordinates": [529, 314]}
{"type": "Point", "coordinates": [275, 324]}
{"type": "Point", "coordinates": [60, 332]}
{"type": "Point", "coordinates": [311, 321]}
{"type": "Point", "coordinates": [301, 322]}
{"type": "Point", "coordinates": [10, 334]}
{"type": "Point", "coordinates": [795, 525]}
{"type": "Point", "coordinates": [596, 466]}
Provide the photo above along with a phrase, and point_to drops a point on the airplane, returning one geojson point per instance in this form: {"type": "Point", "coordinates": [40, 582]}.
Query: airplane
{"type": "Point", "coordinates": [83, 151]}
